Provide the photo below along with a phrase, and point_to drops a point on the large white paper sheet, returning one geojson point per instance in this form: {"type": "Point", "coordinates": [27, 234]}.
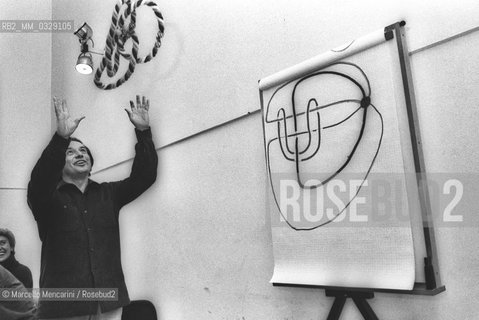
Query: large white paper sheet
{"type": "Point", "coordinates": [339, 201]}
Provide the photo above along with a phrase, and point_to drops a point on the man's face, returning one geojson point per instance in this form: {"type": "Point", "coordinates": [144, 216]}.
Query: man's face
{"type": "Point", "coordinates": [5, 248]}
{"type": "Point", "coordinates": [77, 160]}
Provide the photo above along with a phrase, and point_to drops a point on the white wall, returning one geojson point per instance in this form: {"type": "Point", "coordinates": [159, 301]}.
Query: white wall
{"type": "Point", "coordinates": [198, 243]}
{"type": "Point", "coordinates": [25, 64]}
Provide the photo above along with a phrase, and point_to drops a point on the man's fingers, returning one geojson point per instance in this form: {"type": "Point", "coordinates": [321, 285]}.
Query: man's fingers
{"type": "Point", "coordinates": [143, 102]}
{"type": "Point", "coordinates": [64, 105]}
{"type": "Point", "coordinates": [77, 121]}
{"type": "Point", "coordinates": [55, 106]}
{"type": "Point", "coordinates": [128, 112]}
{"type": "Point", "coordinates": [132, 105]}
{"type": "Point", "coordinates": [138, 101]}
{"type": "Point", "coordinates": [147, 105]}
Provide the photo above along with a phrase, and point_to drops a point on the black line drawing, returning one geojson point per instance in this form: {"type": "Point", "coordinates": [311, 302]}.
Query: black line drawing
{"type": "Point", "coordinates": [294, 153]}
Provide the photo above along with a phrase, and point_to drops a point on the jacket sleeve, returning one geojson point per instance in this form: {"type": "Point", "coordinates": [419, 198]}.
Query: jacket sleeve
{"type": "Point", "coordinates": [143, 171]}
{"type": "Point", "coordinates": [46, 174]}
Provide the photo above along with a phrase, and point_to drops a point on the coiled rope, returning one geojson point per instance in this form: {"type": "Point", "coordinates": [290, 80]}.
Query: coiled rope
{"type": "Point", "coordinates": [118, 35]}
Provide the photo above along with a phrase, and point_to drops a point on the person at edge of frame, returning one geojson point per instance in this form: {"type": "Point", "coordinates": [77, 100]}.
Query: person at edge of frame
{"type": "Point", "coordinates": [78, 218]}
{"type": "Point", "coordinates": [14, 308]}
{"type": "Point", "coordinates": [8, 260]}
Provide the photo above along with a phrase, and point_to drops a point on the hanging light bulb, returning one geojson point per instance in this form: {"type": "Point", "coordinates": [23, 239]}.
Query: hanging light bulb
{"type": "Point", "coordinates": [84, 63]}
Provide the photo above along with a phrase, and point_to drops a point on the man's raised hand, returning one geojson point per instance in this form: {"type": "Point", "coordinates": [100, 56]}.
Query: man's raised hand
{"type": "Point", "coordinates": [65, 124]}
{"type": "Point", "coordinates": [139, 114]}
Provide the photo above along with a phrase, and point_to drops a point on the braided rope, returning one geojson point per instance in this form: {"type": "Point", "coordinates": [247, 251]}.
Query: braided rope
{"type": "Point", "coordinates": [118, 35]}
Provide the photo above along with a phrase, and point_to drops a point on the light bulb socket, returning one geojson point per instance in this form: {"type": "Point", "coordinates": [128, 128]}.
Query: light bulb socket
{"type": "Point", "coordinates": [84, 33]}
{"type": "Point", "coordinates": [84, 47]}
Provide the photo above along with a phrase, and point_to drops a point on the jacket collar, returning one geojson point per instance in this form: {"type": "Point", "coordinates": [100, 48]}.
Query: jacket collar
{"type": "Point", "coordinates": [62, 183]}
{"type": "Point", "coordinates": [10, 263]}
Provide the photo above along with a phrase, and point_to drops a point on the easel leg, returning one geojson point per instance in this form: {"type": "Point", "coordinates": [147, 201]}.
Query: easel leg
{"type": "Point", "coordinates": [337, 308]}
{"type": "Point", "coordinates": [359, 299]}
{"type": "Point", "coordinates": [365, 308]}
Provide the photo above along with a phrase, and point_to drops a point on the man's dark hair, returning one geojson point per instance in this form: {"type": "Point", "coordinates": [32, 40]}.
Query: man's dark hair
{"type": "Point", "coordinates": [87, 149]}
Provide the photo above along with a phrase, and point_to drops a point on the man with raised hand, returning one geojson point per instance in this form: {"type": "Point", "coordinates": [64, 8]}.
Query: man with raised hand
{"type": "Point", "coordinates": [78, 218]}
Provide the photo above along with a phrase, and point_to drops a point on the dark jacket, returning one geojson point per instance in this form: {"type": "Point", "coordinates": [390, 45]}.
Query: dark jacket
{"type": "Point", "coordinates": [80, 231]}
{"type": "Point", "coordinates": [20, 271]}
{"type": "Point", "coordinates": [15, 309]}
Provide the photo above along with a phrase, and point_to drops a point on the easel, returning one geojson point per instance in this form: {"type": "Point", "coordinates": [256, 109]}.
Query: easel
{"type": "Point", "coordinates": [361, 295]}
{"type": "Point", "coordinates": [359, 299]}
{"type": "Point", "coordinates": [432, 285]}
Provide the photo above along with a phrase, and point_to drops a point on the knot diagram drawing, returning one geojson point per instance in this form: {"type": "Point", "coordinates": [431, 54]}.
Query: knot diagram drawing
{"type": "Point", "coordinates": [318, 129]}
